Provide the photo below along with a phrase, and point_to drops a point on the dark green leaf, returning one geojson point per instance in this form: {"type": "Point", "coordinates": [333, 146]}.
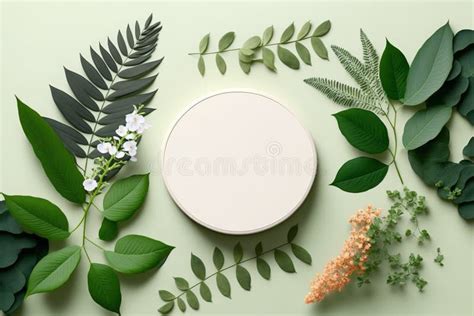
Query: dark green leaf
{"type": "Point", "coordinates": [124, 88]}
{"type": "Point", "coordinates": [121, 44]}
{"type": "Point", "coordinates": [166, 295]}
{"type": "Point", "coordinates": [226, 41]}
{"type": "Point", "coordinates": [108, 230]}
{"type": "Point", "coordinates": [126, 104]}
{"type": "Point", "coordinates": [304, 30]}
{"type": "Point", "coordinates": [12, 246]}
{"type": "Point", "coordinates": [466, 105]}
{"type": "Point", "coordinates": [69, 136]}
{"type": "Point", "coordinates": [181, 283]}
{"type": "Point", "coordinates": [114, 52]}
{"type": "Point", "coordinates": [360, 174]}
{"type": "Point", "coordinates": [100, 65]}
{"type": "Point", "coordinates": [104, 287]}
{"type": "Point", "coordinates": [466, 210]}
{"type": "Point", "coordinates": [267, 35]}
{"type": "Point", "coordinates": [303, 52]}
{"type": "Point", "coordinates": [220, 62]}
{"type": "Point", "coordinates": [204, 43]}
{"type": "Point", "coordinates": [292, 233]}
{"type": "Point", "coordinates": [201, 66]}
{"type": "Point", "coordinates": [252, 42]}
{"type": "Point", "coordinates": [218, 258]}
{"type": "Point", "coordinates": [168, 307]}
{"type": "Point", "coordinates": [322, 29]}
{"type": "Point", "coordinates": [287, 33]}
{"type": "Point", "coordinates": [288, 58]}
{"type": "Point", "coordinates": [7, 222]}
{"type": "Point", "coordinates": [363, 129]}
{"type": "Point", "coordinates": [455, 71]}
{"type": "Point", "coordinates": [192, 300]}
{"type": "Point", "coordinates": [223, 284]}
{"type": "Point", "coordinates": [238, 253]}
{"type": "Point", "coordinates": [463, 39]}
{"type": "Point", "coordinates": [93, 74]}
{"type": "Point", "coordinates": [198, 267]}
{"type": "Point", "coordinates": [138, 60]}
{"type": "Point", "coordinates": [393, 72]}
{"type": "Point", "coordinates": [284, 261]}
{"type": "Point", "coordinates": [130, 40]}
{"type": "Point", "coordinates": [109, 60]}
{"type": "Point", "coordinates": [450, 93]}
{"type": "Point", "coordinates": [468, 150]}
{"type": "Point", "coordinates": [319, 48]}
{"type": "Point", "coordinates": [137, 30]}
{"type": "Point", "coordinates": [205, 292]}
{"type": "Point", "coordinates": [259, 249]}
{"type": "Point", "coordinates": [301, 254]}
{"type": "Point", "coordinates": [263, 269]}
{"type": "Point", "coordinates": [431, 66]}
{"type": "Point", "coordinates": [467, 194]}
{"type": "Point", "coordinates": [181, 304]}
{"type": "Point", "coordinates": [140, 70]}
{"type": "Point", "coordinates": [268, 58]}
{"type": "Point", "coordinates": [243, 277]}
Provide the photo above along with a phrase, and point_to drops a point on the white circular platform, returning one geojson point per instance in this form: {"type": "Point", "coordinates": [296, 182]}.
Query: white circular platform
{"type": "Point", "coordinates": [238, 162]}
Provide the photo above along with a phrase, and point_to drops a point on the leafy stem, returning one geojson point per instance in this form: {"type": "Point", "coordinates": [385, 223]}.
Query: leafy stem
{"type": "Point", "coordinates": [393, 153]}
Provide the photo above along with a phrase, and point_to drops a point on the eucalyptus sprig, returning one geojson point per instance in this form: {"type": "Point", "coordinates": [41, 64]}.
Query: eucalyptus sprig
{"type": "Point", "coordinates": [243, 276]}
{"type": "Point", "coordinates": [257, 49]}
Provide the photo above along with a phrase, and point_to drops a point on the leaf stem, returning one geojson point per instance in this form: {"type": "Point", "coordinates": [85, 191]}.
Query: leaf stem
{"type": "Point", "coordinates": [393, 153]}
{"type": "Point", "coordinates": [95, 244]}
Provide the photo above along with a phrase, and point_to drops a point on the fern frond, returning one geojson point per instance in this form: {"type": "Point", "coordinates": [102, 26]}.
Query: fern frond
{"type": "Point", "coordinates": [344, 95]}
{"type": "Point", "coordinates": [371, 60]}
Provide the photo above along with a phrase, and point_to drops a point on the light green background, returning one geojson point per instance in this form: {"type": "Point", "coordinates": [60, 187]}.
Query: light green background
{"type": "Point", "coordinates": [39, 38]}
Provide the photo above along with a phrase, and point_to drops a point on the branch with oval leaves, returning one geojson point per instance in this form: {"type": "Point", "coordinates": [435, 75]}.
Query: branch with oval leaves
{"type": "Point", "coordinates": [257, 49]}
{"type": "Point", "coordinates": [116, 144]}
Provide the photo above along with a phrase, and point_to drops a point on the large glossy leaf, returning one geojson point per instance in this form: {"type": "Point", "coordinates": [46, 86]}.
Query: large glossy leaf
{"type": "Point", "coordinates": [431, 66]}
{"type": "Point", "coordinates": [136, 254]}
{"type": "Point", "coordinates": [54, 270]}
{"type": "Point", "coordinates": [57, 162]}
{"type": "Point", "coordinates": [393, 72]}
{"type": "Point", "coordinates": [104, 287]}
{"type": "Point", "coordinates": [360, 174]}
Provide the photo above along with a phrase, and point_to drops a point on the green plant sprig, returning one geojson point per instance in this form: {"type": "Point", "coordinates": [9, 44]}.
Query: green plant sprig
{"type": "Point", "coordinates": [249, 51]}
{"type": "Point", "coordinates": [244, 279]}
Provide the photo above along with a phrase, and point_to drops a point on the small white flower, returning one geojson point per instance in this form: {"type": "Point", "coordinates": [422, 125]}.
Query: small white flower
{"type": "Point", "coordinates": [130, 146]}
{"type": "Point", "coordinates": [120, 155]}
{"type": "Point", "coordinates": [133, 158]}
{"type": "Point", "coordinates": [107, 148]}
{"type": "Point", "coordinates": [116, 138]}
{"type": "Point", "coordinates": [112, 150]}
{"type": "Point", "coordinates": [121, 131]}
{"type": "Point", "coordinates": [134, 121]}
{"type": "Point", "coordinates": [130, 136]}
{"type": "Point", "coordinates": [89, 185]}
{"type": "Point", "coordinates": [143, 127]}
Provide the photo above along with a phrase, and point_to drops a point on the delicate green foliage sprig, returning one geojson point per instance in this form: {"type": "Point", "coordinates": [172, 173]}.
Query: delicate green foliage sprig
{"type": "Point", "coordinates": [187, 295]}
{"type": "Point", "coordinates": [256, 49]}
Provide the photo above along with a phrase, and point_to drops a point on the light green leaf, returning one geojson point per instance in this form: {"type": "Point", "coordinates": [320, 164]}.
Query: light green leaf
{"type": "Point", "coordinates": [288, 58]}
{"type": "Point", "coordinates": [218, 258]}
{"type": "Point", "coordinates": [54, 270]}
{"type": "Point", "coordinates": [201, 66]}
{"type": "Point", "coordinates": [136, 254]}
{"type": "Point", "coordinates": [267, 35]}
{"type": "Point", "coordinates": [39, 216]}
{"type": "Point", "coordinates": [360, 174]}
{"type": "Point", "coordinates": [252, 42]}
{"type": "Point", "coordinates": [393, 72]}
{"type": "Point", "coordinates": [263, 269]}
{"type": "Point", "coordinates": [425, 125]}
{"type": "Point", "coordinates": [245, 66]}
{"type": "Point", "coordinates": [166, 295]}
{"type": "Point", "coordinates": [304, 30]}
{"type": "Point", "coordinates": [205, 292]}
{"type": "Point", "coordinates": [238, 253]}
{"type": "Point", "coordinates": [181, 304]}
{"type": "Point", "coordinates": [284, 261]}
{"type": "Point", "coordinates": [303, 52]}
{"type": "Point", "coordinates": [319, 48]}
{"type": "Point", "coordinates": [181, 283]}
{"type": "Point", "coordinates": [292, 233]}
{"type": "Point", "coordinates": [204, 43]}
{"type": "Point", "coordinates": [223, 284]}
{"type": "Point", "coordinates": [287, 33]}
{"type": "Point", "coordinates": [104, 287]}
{"type": "Point", "coordinates": [226, 41]}
{"type": "Point", "coordinates": [322, 28]}
{"type": "Point", "coordinates": [431, 66]}
{"type": "Point", "coordinates": [168, 307]}
{"type": "Point", "coordinates": [301, 254]}
{"type": "Point", "coordinates": [243, 277]}
{"type": "Point", "coordinates": [259, 249]}
{"type": "Point", "coordinates": [125, 197]}
{"type": "Point", "coordinates": [58, 164]}
{"type": "Point", "coordinates": [192, 300]}
{"type": "Point", "coordinates": [220, 62]}
{"type": "Point", "coordinates": [363, 129]}
{"type": "Point", "coordinates": [198, 267]}
{"type": "Point", "coordinates": [247, 52]}
{"type": "Point", "coordinates": [245, 58]}
{"type": "Point", "coordinates": [268, 59]}
{"type": "Point", "coordinates": [108, 230]}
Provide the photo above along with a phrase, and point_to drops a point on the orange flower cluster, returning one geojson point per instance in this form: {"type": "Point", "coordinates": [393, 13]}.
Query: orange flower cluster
{"type": "Point", "coordinates": [337, 273]}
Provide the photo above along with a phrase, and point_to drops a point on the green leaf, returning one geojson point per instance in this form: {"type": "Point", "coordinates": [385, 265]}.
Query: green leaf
{"type": "Point", "coordinates": [431, 66]}
{"type": "Point", "coordinates": [248, 53]}
{"type": "Point", "coordinates": [284, 261]}
{"type": "Point", "coordinates": [319, 48]}
{"type": "Point", "coordinates": [259, 249]}
{"type": "Point", "coordinates": [181, 284]}
{"type": "Point", "coordinates": [220, 62]}
{"type": "Point", "coordinates": [166, 295]}
{"type": "Point", "coordinates": [301, 254]}
{"type": "Point", "coordinates": [125, 197]}
{"type": "Point", "coordinates": [393, 72]}
{"type": "Point", "coordinates": [226, 41]}
{"type": "Point", "coordinates": [267, 35]}
{"type": "Point", "coordinates": [463, 39]}
{"type": "Point", "coordinates": [252, 42]}
{"type": "Point", "coordinates": [304, 30]}
{"type": "Point", "coordinates": [303, 52]}
{"type": "Point", "coordinates": [201, 66]}
{"type": "Point", "coordinates": [425, 125]}
{"type": "Point", "coordinates": [104, 287]}
{"type": "Point", "coordinates": [238, 253]}
{"type": "Point", "coordinates": [192, 300]}
{"type": "Point", "coordinates": [243, 277]}
{"type": "Point", "coordinates": [263, 269]}
{"type": "Point", "coordinates": [287, 33]}
{"type": "Point", "coordinates": [198, 267]}
{"type": "Point", "coordinates": [54, 270]}
{"type": "Point", "coordinates": [136, 254]}
{"type": "Point", "coordinates": [268, 59]}
{"type": "Point", "coordinates": [204, 43]}
{"type": "Point", "coordinates": [223, 284]}
{"type": "Point", "coordinates": [468, 150]}
{"type": "Point", "coordinates": [181, 304]}
{"type": "Point", "coordinates": [450, 93]}
{"type": "Point", "coordinates": [108, 230]}
{"type": "Point", "coordinates": [288, 58]}
{"type": "Point", "coordinates": [466, 210]}
{"type": "Point", "coordinates": [58, 164]}
{"type": "Point", "coordinates": [244, 66]}
{"type": "Point", "coordinates": [205, 292]}
{"type": "Point", "coordinates": [322, 29]}
{"type": "Point", "coordinates": [168, 307]}
{"type": "Point", "coordinates": [39, 216]}
{"type": "Point", "coordinates": [218, 258]}
{"type": "Point", "coordinates": [360, 174]}
{"type": "Point", "coordinates": [292, 233]}
{"type": "Point", "coordinates": [363, 129]}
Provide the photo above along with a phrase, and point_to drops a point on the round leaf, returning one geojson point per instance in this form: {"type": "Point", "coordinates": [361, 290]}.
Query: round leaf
{"type": "Point", "coordinates": [223, 284]}
{"type": "Point", "coordinates": [104, 287]}
{"type": "Point", "coordinates": [360, 174]}
{"type": "Point", "coordinates": [363, 129]}
{"type": "Point", "coordinates": [267, 35]}
{"type": "Point", "coordinates": [226, 41]}
{"type": "Point", "coordinates": [220, 62]}
{"type": "Point", "coordinates": [322, 28]}
{"type": "Point", "coordinates": [205, 292]}
{"type": "Point", "coordinates": [319, 48]}
{"type": "Point", "coordinates": [263, 269]}
{"type": "Point", "coordinates": [198, 267]}
{"type": "Point", "coordinates": [204, 43]}
{"type": "Point", "coordinates": [288, 58]}
{"type": "Point", "coordinates": [393, 72]}
{"type": "Point", "coordinates": [287, 33]}
{"type": "Point", "coordinates": [304, 30]}
{"type": "Point", "coordinates": [284, 261]}
{"type": "Point", "coordinates": [243, 277]}
{"type": "Point", "coordinates": [303, 52]}
{"type": "Point", "coordinates": [192, 300]}
{"type": "Point", "coordinates": [301, 254]}
{"type": "Point", "coordinates": [218, 258]}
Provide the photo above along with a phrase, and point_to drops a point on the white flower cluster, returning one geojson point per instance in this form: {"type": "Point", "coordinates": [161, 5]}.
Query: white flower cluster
{"type": "Point", "coordinates": [124, 143]}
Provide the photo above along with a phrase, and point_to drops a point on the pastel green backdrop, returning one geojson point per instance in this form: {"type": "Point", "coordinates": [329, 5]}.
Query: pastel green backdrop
{"type": "Point", "coordinates": [39, 38]}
